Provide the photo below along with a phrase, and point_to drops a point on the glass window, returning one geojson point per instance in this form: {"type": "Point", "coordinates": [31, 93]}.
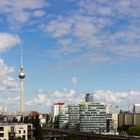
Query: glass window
{"type": "Point", "coordinates": [1, 128]}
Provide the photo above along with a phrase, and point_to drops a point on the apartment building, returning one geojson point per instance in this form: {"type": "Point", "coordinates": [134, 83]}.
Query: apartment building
{"type": "Point", "coordinates": [15, 130]}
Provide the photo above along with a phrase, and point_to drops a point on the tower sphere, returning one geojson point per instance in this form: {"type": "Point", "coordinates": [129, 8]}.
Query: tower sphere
{"type": "Point", "coordinates": [21, 73]}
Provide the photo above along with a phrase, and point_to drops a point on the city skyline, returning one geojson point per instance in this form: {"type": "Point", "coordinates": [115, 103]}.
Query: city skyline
{"type": "Point", "coordinates": [71, 47]}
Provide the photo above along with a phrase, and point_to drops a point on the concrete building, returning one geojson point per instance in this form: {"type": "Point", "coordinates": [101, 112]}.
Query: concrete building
{"type": "Point", "coordinates": [89, 97]}
{"type": "Point", "coordinates": [12, 131]}
{"type": "Point", "coordinates": [55, 109]}
{"type": "Point", "coordinates": [3, 109]}
{"type": "Point", "coordinates": [128, 119]}
{"type": "Point", "coordinates": [63, 116]}
{"type": "Point", "coordinates": [112, 118]}
{"type": "Point", "coordinates": [92, 117]}
{"type": "Point", "coordinates": [73, 111]}
{"type": "Point", "coordinates": [136, 108]}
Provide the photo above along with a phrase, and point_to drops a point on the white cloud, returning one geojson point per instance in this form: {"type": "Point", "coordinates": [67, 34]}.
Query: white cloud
{"type": "Point", "coordinates": [38, 13]}
{"type": "Point", "coordinates": [74, 80]}
{"type": "Point", "coordinates": [97, 33]}
{"type": "Point", "coordinates": [17, 11]}
{"type": "Point", "coordinates": [8, 41]}
{"type": "Point", "coordinates": [121, 99]}
{"type": "Point", "coordinates": [8, 83]}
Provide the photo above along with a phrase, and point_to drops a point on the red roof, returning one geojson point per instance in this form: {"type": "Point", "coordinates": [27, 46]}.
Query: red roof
{"type": "Point", "coordinates": [60, 103]}
{"type": "Point", "coordinates": [34, 113]}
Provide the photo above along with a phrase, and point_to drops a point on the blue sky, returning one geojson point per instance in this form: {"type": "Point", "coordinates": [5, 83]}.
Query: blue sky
{"type": "Point", "coordinates": [71, 47]}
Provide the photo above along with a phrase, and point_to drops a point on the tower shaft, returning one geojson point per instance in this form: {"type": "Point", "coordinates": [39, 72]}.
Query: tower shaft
{"type": "Point", "coordinates": [21, 95]}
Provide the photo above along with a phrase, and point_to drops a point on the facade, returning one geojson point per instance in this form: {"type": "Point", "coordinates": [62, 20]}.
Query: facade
{"type": "Point", "coordinates": [63, 116]}
{"type": "Point", "coordinates": [89, 97]}
{"type": "Point", "coordinates": [136, 108]}
{"type": "Point", "coordinates": [112, 118]}
{"type": "Point", "coordinates": [12, 131]}
{"type": "Point", "coordinates": [92, 117]}
{"type": "Point", "coordinates": [128, 119]}
{"type": "Point", "coordinates": [73, 111]}
{"type": "Point", "coordinates": [55, 109]}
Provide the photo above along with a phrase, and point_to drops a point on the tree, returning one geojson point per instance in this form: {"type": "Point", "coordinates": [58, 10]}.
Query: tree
{"type": "Point", "coordinates": [21, 119]}
{"type": "Point", "coordinates": [71, 136]}
{"type": "Point", "coordinates": [26, 119]}
{"type": "Point", "coordinates": [123, 129]}
{"type": "Point", "coordinates": [14, 120]}
{"type": "Point", "coordinates": [37, 132]}
{"type": "Point", "coordinates": [56, 122]}
{"type": "Point", "coordinates": [134, 130]}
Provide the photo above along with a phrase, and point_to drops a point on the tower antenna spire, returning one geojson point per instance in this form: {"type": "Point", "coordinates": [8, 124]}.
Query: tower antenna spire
{"type": "Point", "coordinates": [21, 55]}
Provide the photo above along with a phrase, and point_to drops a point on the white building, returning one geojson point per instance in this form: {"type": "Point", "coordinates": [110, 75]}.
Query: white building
{"type": "Point", "coordinates": [136, 108]}
{"type": "Point", "coordinates": [63, 116]}
{"type": "Point", "coordinates": [15, 130]}
{"type": "Point", "coordinates": [55, 109]}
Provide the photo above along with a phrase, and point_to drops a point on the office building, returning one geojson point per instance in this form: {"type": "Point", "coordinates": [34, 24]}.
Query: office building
{"type": "Point", "coordinates": [112, 118]}
{"type": "Point", "coordinates": [63, 116]}
{"type": "Point", "coordinates": [92, 117]}
{"type": "Point", "coordinates": [89, 97]}
{"type": "Point", "coordinates": [55, 109]}
{"type": "Point", "coordinates": [128, 119]}
{"type": "Point", "coordinates": [73, 111]}
{"type": "Point", "coordinates": [136, 108]}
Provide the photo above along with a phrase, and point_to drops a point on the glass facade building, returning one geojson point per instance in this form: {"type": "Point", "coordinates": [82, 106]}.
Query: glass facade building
{"type": "Point", "coordinates": [89, 97]}
{"type": "Point", "coordinates": [92, 117]}
{"type": "Point", "coordinates": [74, 114]}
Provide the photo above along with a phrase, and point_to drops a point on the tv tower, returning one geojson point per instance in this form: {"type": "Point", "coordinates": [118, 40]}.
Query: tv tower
{"type": "Point", "coordinates": [21, 77]}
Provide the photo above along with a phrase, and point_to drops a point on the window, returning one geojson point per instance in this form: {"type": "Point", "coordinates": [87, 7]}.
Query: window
{"type": "Point", "coordinates": [12, 128]}
{"type": "Point", "coordinates": [1, 128]}
{"type": "Point", "coordinates": [19, 131]}
{"type": "Point", "coordinates": [23, 137]}
{"type": "Point", "coordinates": [24, 131]}
{"type": "Point", "coordinates": [1, 134]}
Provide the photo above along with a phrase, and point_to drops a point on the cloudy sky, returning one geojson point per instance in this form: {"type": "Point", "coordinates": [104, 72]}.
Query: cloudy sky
{"type": "Point", "coordinates": [71, 47]}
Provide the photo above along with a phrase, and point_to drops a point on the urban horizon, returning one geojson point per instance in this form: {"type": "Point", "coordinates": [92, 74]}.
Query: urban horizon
{"type": "Point", "coordinates": [70, 48]}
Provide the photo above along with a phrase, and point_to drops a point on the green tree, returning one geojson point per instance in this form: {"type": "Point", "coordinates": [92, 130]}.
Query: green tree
{"type": "Point", "coordinates": [26, 119]}
{"type": "Point", "coordinates": [14, 120]}
{"type": "Point", "coordinates": [134, 130]}
{"type": "Point", "coordinates": [56, 122]}
{"type": "Point", "coordinates": [123, 129]}
{"type": "Point", "coordinates": [21, 119]}
{"type": "Point", "coordinates": [37, 132]}
{"type": "Point", "coordinates": [71, 136]}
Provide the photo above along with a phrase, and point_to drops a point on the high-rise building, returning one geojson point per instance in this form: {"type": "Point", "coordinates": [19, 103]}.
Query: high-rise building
{"type": "Point", "coordinates": [136, 108]}
{"type": "Point", "coordinates": [89, 97]}
{"type": "Point", "coordinates": [73, 111]}
{"type": "Point", "coordinates": [55, 109]}
{"type": "Point", "coordinates": [21, 77]}
{"type": "Point", "coordinates": [63, 116]}
{"type": "Point", "coordinates": [112, 118]}
{"type": "Point", "coordinates": [92, 117]}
